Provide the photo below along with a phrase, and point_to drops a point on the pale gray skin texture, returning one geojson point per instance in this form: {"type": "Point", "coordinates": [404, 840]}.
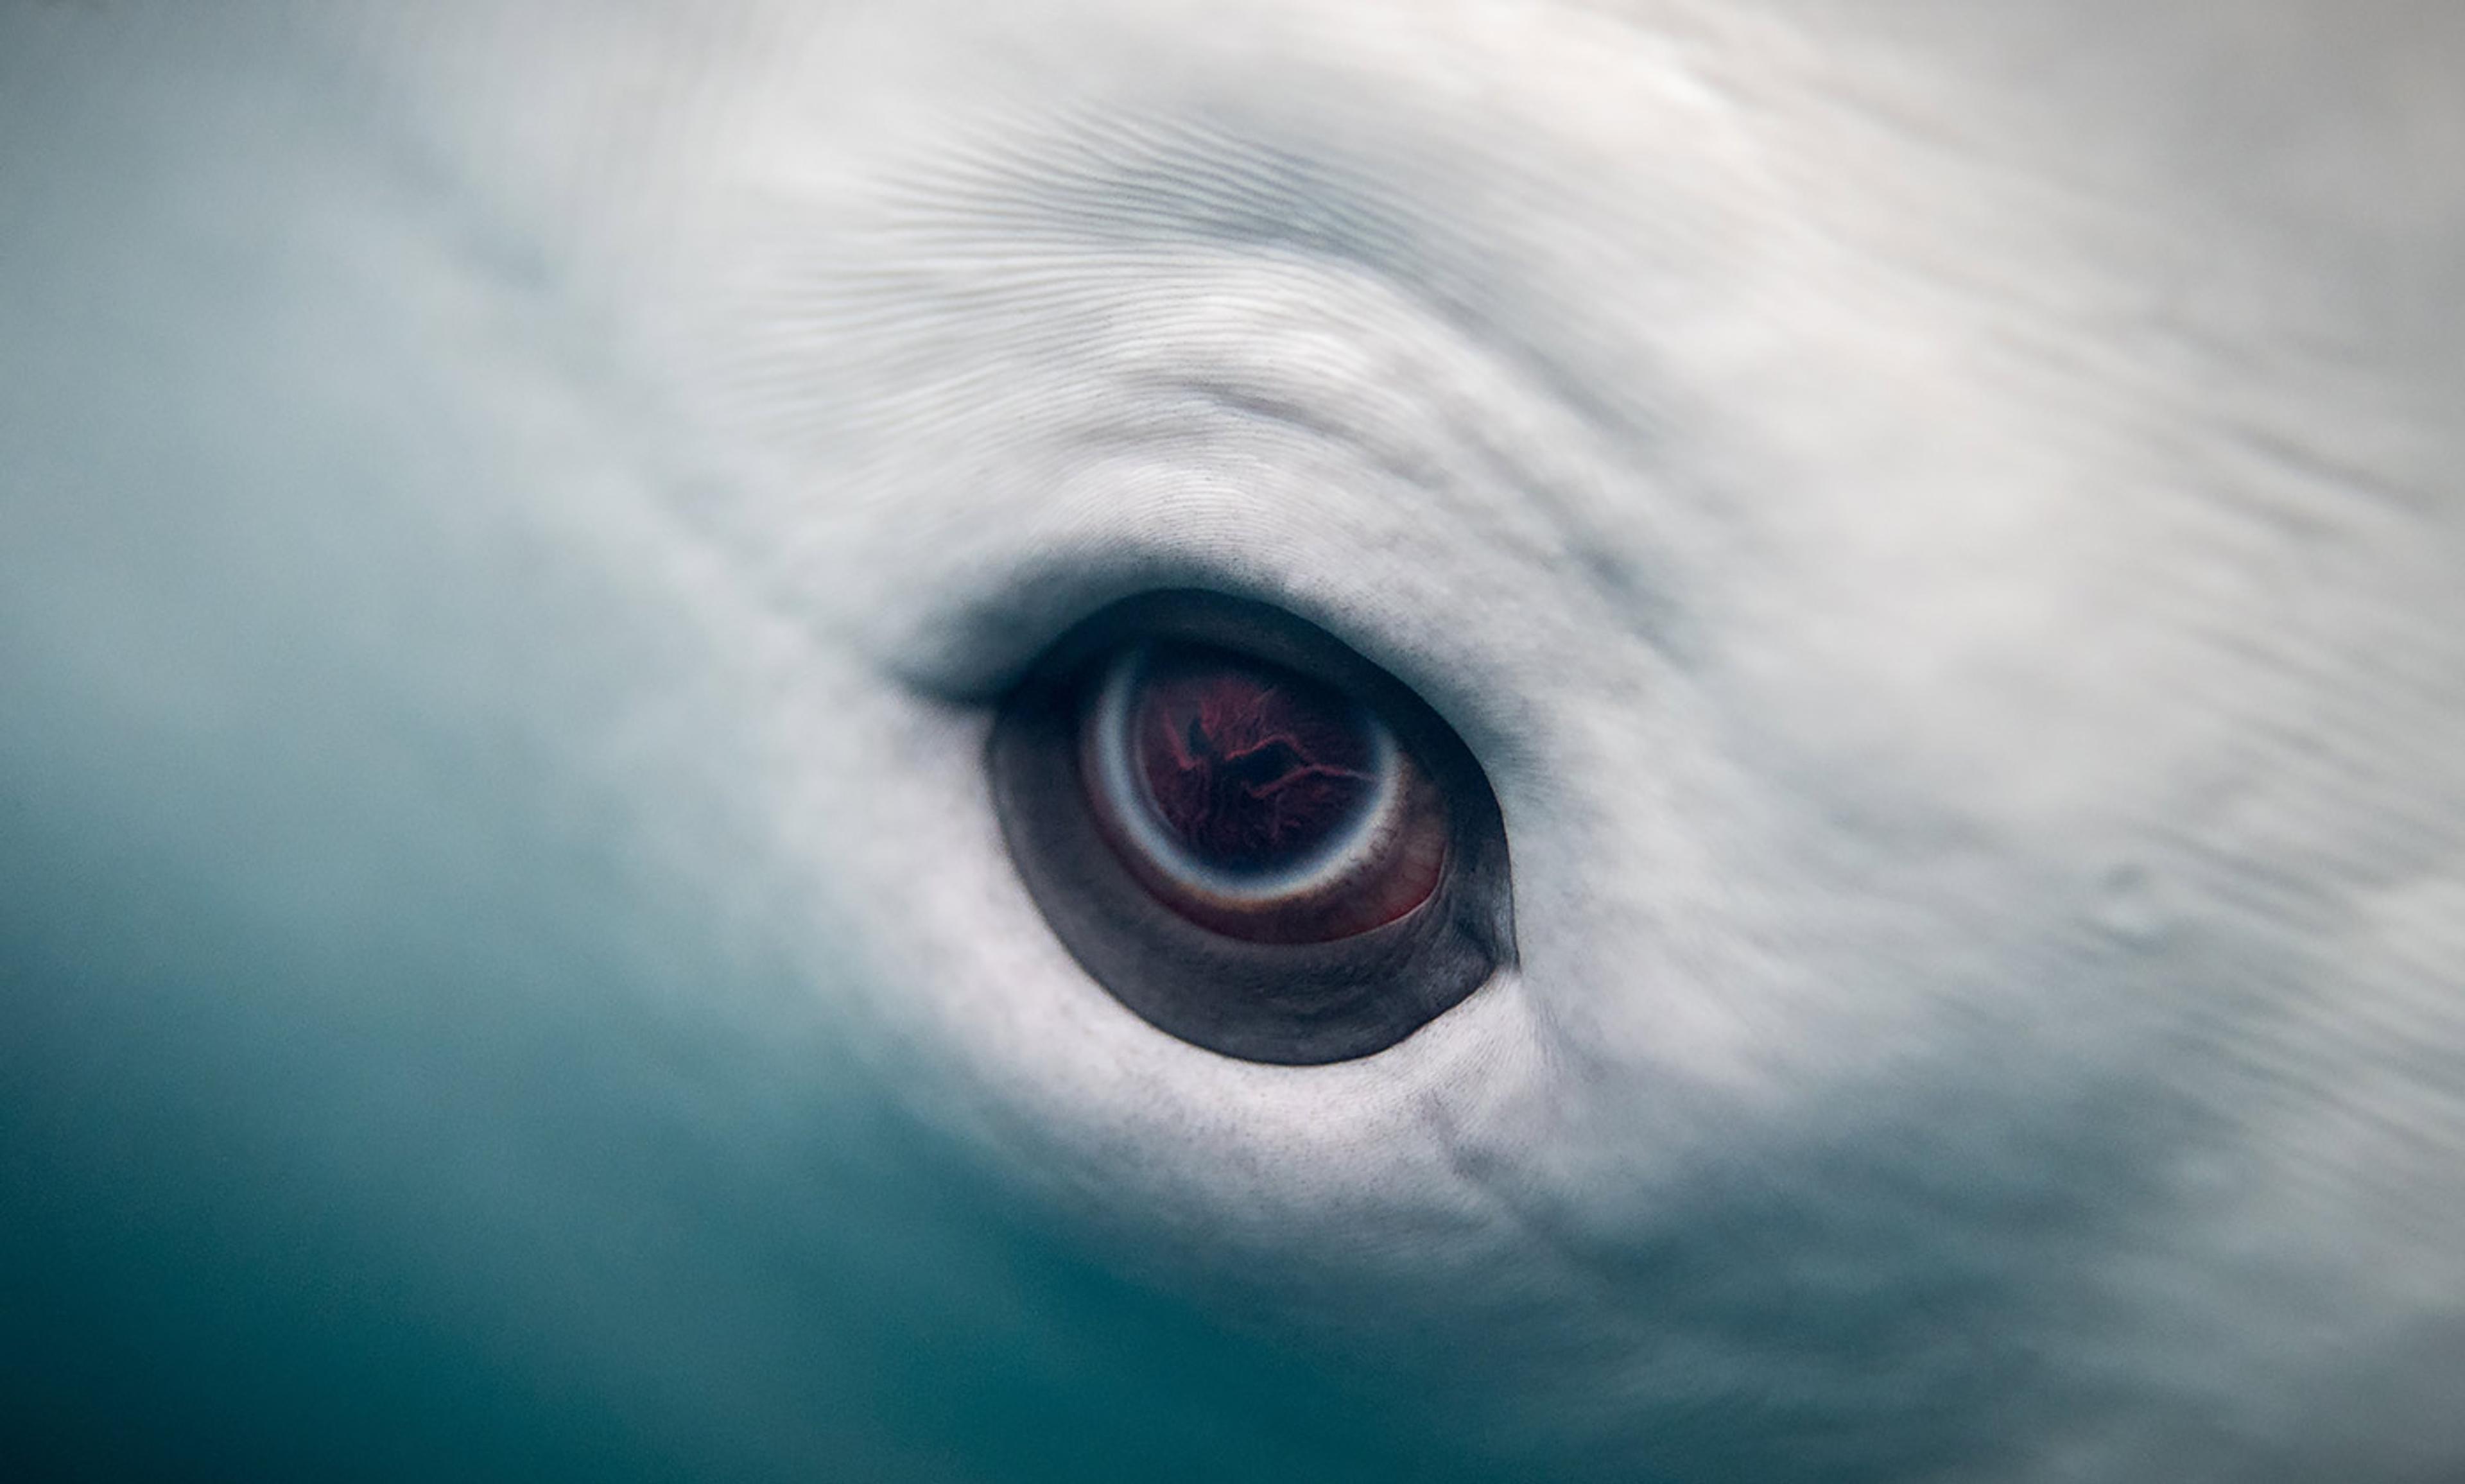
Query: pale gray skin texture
{"type": "Point", "coordinates": [1941, 522]}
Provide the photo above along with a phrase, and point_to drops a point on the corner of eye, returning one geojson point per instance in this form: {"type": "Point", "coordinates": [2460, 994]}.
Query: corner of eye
{"type": "Point", "coordinates": [967, 650]}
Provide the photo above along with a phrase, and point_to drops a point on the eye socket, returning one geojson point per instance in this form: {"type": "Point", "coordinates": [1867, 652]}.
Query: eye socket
{"type": "Point", "coordinates": [1253, 837]}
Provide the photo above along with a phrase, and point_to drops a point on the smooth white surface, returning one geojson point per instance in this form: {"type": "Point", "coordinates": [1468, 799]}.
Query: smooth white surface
{"type": "Point", "coordinates": [1942, 524]}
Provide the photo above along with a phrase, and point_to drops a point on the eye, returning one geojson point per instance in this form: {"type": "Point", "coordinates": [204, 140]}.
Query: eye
{"type": "Point", "coordinates": [1252, 836]}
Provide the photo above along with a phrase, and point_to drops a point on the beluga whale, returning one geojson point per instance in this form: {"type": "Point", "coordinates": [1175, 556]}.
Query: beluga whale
{"type": "Point", "coordinates": [1569, 740]}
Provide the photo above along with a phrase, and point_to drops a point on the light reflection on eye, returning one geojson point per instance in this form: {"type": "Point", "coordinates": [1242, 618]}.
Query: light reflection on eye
{"type": "Point", "coordinates": [1255, 802]}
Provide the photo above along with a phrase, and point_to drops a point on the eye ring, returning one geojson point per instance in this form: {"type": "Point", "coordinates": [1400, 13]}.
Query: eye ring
{"type": "Point", "coordinates": [1237, 969]}
{"type": "Point", "coordinates": [1371, 826]}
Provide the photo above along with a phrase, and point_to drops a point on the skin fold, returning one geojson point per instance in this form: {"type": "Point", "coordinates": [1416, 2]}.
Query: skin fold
{"type": "Point", "coordinates": [1941, 525]}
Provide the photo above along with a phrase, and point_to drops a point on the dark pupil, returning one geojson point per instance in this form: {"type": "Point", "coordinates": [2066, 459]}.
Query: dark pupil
{"type": "Point", "coordinates": [1250, 766]}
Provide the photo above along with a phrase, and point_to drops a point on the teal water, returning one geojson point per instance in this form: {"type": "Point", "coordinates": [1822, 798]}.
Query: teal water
{"type": "Point", "coordinates": [411, 1162]}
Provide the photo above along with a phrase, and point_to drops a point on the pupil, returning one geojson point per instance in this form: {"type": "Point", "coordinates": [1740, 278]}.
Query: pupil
{"type": "Point", "coordinates": [1249, 767]}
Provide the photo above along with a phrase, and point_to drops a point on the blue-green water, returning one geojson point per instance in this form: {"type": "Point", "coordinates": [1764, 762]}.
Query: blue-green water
{"type": "Point", "coordinates": [323, 1186]}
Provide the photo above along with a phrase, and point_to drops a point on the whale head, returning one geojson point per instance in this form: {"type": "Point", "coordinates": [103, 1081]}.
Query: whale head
{"type": "Point", "coordinates": [1871, 597]}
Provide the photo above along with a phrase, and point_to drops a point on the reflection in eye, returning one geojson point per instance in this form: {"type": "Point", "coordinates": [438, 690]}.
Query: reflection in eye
{"type": "Point", "coordinates": [1255, 802]}
{"type": "Point", "coordinates": [1253, 837]}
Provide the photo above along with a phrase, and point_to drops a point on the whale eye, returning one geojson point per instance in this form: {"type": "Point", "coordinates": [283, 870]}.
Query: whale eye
{"type": "Point", "coordinates": [1255, 801]}
{"type": "Point", "coordinates": [1253, 837]}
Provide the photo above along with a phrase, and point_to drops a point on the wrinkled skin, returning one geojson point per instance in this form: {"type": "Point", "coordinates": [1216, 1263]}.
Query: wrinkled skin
{"type": "Point", "coordinates": [1940, 523]}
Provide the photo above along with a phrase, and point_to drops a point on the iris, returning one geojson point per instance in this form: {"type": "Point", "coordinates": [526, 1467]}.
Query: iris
{"type": "Point", "coordinates": [1255, 801]}
{"type": "Point", "coordinates": [1249, 769]}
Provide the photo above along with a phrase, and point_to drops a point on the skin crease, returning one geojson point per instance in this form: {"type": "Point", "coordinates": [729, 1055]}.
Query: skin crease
{"type": "Point", "coordinates": [1940, 522]}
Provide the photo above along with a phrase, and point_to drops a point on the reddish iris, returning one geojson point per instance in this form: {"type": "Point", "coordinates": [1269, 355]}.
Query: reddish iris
{"type": "Point", "coordinates": [1256, 802]}
{"type": "Point", "coordinates": [1250, 769]}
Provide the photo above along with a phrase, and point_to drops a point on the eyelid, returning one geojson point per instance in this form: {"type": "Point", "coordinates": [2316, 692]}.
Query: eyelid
{"type": "Point", "coordinates": [974, 648]}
